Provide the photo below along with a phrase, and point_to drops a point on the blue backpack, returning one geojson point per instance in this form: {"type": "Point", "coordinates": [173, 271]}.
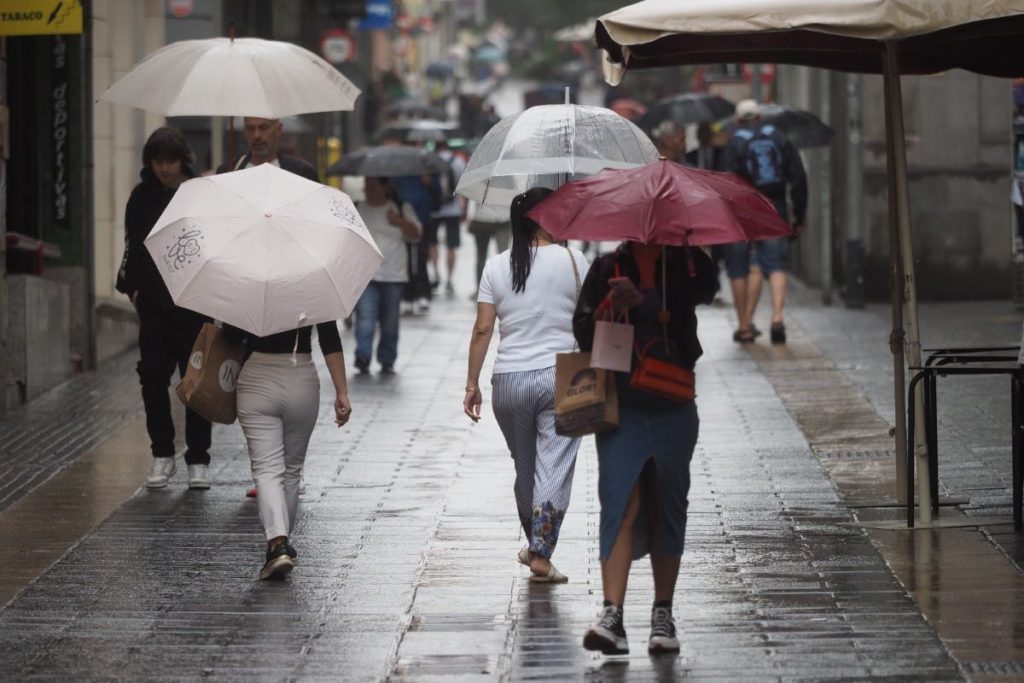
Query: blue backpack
{"type": "Point", "coordinates": [762, 157]}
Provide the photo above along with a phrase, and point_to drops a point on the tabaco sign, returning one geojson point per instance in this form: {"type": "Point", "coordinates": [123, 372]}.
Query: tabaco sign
{"type": "Point", "coordinates": [40, 17]}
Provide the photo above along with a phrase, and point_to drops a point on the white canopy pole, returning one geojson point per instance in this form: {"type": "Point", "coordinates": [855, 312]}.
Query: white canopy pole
{"type": "Point", "coordinates": [904, 290]}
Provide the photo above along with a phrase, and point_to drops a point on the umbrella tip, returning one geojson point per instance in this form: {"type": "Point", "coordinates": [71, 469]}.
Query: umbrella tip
{"type": "Point", "coordinates": [231, 31]}
{"type": "Point", "coordinates": [567, 94]}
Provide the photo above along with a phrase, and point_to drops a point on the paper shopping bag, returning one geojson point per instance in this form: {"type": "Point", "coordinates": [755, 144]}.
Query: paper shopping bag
{"type": "Point", "coordinates": [211, 375]}
{"type": "Point", "coordinates": [613, 346]}
{"type": "Point", "coordinates": [586, 401]}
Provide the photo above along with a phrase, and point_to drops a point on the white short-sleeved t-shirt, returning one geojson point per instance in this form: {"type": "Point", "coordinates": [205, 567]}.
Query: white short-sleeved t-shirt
{"type": "Point", "coordinates": [535, 324]}
{"type": "Point", "coordinates": [389, 239]}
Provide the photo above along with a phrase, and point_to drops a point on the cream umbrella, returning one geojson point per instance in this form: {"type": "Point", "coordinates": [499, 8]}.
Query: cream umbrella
{"type": "Point", "coordinates": [263, 249]}
{"type": "Point", "coordinates": [891, 37]}
{"type": "Point", "coordinates": [233, 77]}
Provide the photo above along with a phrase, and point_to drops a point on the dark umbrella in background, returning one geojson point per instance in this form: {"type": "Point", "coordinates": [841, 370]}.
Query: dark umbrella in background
{"type": "Point", "coordinates": [413, 109]}
{"type": "Point", "coordinates": [440, 70]}
{"type": "Point", "coordinates": [420, 130]}
{"type": "Point", "coordinates": [388, 161]}
{"type": "Point", "coordinates": [804, 129]}
{"type": "Point", "coordinates": [687, 108]}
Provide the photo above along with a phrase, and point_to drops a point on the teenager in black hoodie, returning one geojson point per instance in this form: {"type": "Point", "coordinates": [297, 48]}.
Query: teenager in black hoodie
{"type": "Point", "coordinates": [166, 331]}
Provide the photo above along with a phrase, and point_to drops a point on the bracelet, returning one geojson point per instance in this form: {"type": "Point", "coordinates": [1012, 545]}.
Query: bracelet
{"type": "Point", "coordinates": [472, 388]}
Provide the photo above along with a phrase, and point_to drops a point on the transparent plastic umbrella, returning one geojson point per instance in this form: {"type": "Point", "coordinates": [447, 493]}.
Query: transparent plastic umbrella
{"type": "Point", "coordinates": [549, 145]}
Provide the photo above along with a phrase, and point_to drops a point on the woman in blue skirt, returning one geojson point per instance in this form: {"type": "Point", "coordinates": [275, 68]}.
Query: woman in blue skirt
{"type": "Point", "coordinates": [644, 464]}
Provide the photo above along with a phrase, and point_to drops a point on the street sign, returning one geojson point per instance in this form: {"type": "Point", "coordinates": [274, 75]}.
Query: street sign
{"type": "Point", "coordinates": [337, 46]}
{"type": "Point", "coordinates": [40, 17]}
{"type": "Point", "coordinates": [180, 8]}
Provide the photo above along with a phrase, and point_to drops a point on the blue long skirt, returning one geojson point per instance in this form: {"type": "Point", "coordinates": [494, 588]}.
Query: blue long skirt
{"type": "Point", "coordinates": [653, 445]}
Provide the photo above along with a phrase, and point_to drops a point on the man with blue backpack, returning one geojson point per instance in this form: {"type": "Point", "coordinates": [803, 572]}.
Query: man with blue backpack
{"type": "Point", "coordinates": [762, 154]}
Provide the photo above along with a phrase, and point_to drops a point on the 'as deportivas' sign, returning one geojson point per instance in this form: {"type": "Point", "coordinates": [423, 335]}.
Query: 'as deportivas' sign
{"type": "Point", "coordinates": [40, 17]}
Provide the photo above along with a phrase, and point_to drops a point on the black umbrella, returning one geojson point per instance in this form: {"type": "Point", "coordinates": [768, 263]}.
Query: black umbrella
{"type": "Point", "coordinates": [412, 109]}
{"type": "Point", "coordinates": [388, 161]}
{"type": "Point", "coordinates": [803, 128]}
{"type": "Point", "coordinates": [420, 130]}
{"type": "Point", "coordinates": [440, 70]}
{"type": "Point", "coordinates": [687, 108]}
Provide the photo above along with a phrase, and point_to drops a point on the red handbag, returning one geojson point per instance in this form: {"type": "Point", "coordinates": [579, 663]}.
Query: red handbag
{"type": "Point", "coordinates": [658, 376]}
{"type": "Point", "coordinates": [662, 378]}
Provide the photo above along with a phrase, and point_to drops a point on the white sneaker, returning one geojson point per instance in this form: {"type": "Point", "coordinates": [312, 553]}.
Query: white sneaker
{"type": "Point", "coordinates": [405, 308]}
{"type": "Point", "coordinates": [199, 476]}
{"type": "Point", "coordinates": [421, 306]}
{"type": "Point", "coordinates": [163, 470]}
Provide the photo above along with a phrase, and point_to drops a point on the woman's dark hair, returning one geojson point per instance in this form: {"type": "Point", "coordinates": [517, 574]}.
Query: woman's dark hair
{"type": "Point", "coordinates": [524, 234]}
{"type": "Point", "coordinates": [166, 143]}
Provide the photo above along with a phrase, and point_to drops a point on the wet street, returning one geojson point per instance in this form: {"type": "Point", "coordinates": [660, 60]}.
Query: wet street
{"type": "Point", "coordinates": [408, 536]}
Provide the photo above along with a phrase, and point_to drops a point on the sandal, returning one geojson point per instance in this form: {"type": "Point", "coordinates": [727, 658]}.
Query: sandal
{"type": "Point", "coordinates": [743, 336]}
{"type": "Point", "coordinates": [524, 556]}
{"type": "Point", "coordinates": [553, 576]}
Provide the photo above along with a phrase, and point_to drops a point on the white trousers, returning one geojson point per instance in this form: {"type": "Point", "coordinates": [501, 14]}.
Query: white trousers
{"type": "Point", "coordinates": [278, 404]}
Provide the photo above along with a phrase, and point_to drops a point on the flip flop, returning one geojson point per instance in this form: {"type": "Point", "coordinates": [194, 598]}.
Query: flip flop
{"type": "Point", "coordinates": [524, 556]}
{"type": "Point", "coordinates": [553, 576]}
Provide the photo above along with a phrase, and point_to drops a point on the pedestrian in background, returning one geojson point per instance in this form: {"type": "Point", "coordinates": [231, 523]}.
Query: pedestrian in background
{"type": "Point", "coordinates": [487, 223]}
{"type": "Point", "coordinates": [532, 290]}
{"type": "Point", "coordinates": [449, 216]}
{"type": "Point", "coordinates": [278, 397]}
{"type": "Point", "coordinates": [166, 332]}
{"type": "Point", "coordinates": [762, 154]}
{"type": "Point", "coordinates": [670, 139]}
{"type": "Point", "coordinates": [394, 226]}
{"type": "Point", "coordinates": [644, 464]}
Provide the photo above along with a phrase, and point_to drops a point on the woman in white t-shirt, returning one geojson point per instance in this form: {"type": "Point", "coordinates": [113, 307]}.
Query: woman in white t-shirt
{"type": "Point", "coordinates": [531, 289]}
{"type": "Point", "coordinates": [392, 226]}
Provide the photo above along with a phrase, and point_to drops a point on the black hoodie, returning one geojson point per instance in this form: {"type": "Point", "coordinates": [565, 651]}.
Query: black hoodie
{"type": "Point", "coordinates": [138, 272]}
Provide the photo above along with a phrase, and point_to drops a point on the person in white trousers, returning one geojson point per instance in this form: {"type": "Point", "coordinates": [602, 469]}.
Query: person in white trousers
{"type": "Point", "coordinates": [278, 399]}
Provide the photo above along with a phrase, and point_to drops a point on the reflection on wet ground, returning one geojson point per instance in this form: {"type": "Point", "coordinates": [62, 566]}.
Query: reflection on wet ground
{"type": "Point", "coordinates": [408, 540]}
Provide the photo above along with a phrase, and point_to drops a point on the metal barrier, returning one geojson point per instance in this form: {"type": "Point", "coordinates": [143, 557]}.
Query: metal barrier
{"type": "Point", "coordinates": [964, 361]}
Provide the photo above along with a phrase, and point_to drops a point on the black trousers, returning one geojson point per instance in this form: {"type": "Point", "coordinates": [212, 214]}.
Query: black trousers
{"type": "Point", "coordinates": [165, 342]}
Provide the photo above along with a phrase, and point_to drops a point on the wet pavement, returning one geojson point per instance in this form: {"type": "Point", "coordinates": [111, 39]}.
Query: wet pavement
{"type": "Point", "coordinates": [408, 537]}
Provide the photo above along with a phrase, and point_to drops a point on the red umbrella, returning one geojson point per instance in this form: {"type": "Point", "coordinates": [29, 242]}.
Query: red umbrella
{"type": "Point", "coordinates": [629, 109]}
{"type": "Point", "coordinates": [660, 203]}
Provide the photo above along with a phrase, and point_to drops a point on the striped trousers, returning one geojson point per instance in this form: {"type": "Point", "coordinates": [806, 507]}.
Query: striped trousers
{"type": "Point", "coordinates": [524, 406]}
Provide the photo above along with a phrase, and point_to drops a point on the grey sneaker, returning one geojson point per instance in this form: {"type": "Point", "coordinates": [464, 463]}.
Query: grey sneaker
{"type": "Point", "coordinates": [199, 476]}
{"type": "Point", "coordinates": [608, 635]}
{"type": "Point", "coordinates": [663, 632]}
{"type": "Point", "coordinates": [163, 470]}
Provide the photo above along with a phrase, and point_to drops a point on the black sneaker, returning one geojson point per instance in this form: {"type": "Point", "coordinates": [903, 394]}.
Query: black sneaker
{"type": "Point", "coordinates": [387, 369]}
{"type": "Point", "coordinates": [778, 333]}
{"type": "Point", "coordinates": [362, 365]}
{"type": "Point", "coordinates": [663, 632]}
{"type": "Point", "coordinates": [281, 560]}
{"type": "Point", "coordinates": [608, 636]}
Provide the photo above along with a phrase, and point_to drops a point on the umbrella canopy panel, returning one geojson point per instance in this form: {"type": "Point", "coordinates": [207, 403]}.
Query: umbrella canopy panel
{"type": "Point", "coordinates": [240, 77]}
{"type": "Point", "coordinates": [549, 145]}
